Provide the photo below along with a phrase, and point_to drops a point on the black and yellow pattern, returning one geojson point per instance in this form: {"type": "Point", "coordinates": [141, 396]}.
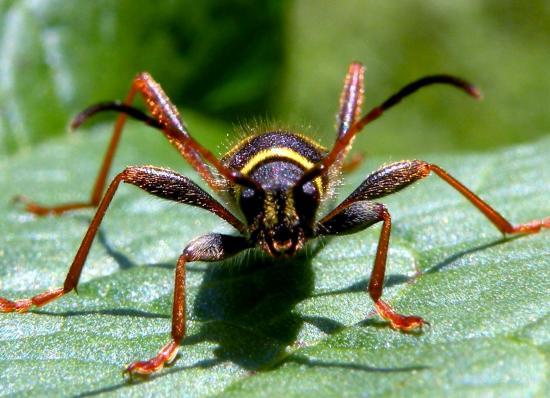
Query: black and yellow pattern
{"type": "Point", "coordinates": [282, 151]}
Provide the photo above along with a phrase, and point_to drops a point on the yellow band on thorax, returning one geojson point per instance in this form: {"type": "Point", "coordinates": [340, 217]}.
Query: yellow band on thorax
{"type": "Point", "coordinates": [282, 153]}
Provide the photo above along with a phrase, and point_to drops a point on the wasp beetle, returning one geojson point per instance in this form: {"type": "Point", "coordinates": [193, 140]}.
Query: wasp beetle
{"type": "Point", "coordinates": [277, 179]}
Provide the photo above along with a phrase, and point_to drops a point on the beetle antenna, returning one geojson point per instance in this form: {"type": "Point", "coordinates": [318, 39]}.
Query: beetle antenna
{"type": "Point", "coordinates": [234, 176]}
{"type": "Point", "coordinates": [116, 106]}
{"type": "Point", "coordinates": [409, 89]}
{"type": "Point", "coordinates": [341, 144]}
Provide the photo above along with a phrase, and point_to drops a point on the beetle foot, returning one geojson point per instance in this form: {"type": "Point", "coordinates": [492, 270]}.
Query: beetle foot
{"type": "Point", "coordinates": [153, 365]}
{"type": "Point", "coordinates": [397, 321]}
{"type": "Point", "coordinates": [41, 211]}
{"type": "Point", "coordinates": [531, 227]}
{"type": "Point", "coordinates": [23, 305]}
{"type": "Point", "coordinates": [14, 306]}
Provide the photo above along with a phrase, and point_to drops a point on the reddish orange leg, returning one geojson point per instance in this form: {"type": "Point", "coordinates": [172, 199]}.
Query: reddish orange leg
{"type": "Point", "coordinates": [164, 112]}
{"type": "Point", "coordinates": [494, 216]}
{"type": "Point", "coordinates": [39, 210]}
{"type": "Point", "coordinates": [358, 211]}
{"type": "Point", "coordinates": [352, 216]}
{"type": "Point", "coordinates": [160, 182]}
{"type": "Point", "coordinates": [376, 284]}
{"type": "Point", "coordinates": [164, 357]}
{"type": "Point", "coordinates": [77, 265]}
{"type": "Point", "coordinates": [211, 247]}
{"type": "Point", "coordinates": [420, 169]}
{"type": "Point", "coordinates": [24, 304]}
{"type": "Point", "coordinates": [167, 353]}
{"type": "Point", "coordinates": [100, 181]}
{"type": "Point", "coordinates": [214, 247]}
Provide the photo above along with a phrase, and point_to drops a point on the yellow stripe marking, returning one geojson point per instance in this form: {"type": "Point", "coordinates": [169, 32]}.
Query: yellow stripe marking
{"type": "Point", "coordinates": [282, 153]}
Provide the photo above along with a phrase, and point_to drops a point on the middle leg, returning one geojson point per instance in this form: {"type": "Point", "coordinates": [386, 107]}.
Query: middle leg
{"type": "Point", "coordinates": [356, 213]}
{"type": "Point", "coordinates": [353, 218]}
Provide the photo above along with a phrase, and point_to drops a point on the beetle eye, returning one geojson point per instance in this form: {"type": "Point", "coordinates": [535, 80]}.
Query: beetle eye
{"type": "Point", "coordinates": [306, 200]}
{"type": "Point", "coordinates": [251, 202]}
{"type": "Point", "coordinates": [247, 193]}
{"type": "Point", "coordinates": [308, 189]}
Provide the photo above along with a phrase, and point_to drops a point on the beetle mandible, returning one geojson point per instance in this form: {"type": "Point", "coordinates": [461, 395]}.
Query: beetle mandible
{"type": "Point", "coordinates": [276, 178]}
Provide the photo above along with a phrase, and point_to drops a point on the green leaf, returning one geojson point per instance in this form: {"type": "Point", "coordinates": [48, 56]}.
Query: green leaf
{"type": "Point", "coordinates": [303, 327]}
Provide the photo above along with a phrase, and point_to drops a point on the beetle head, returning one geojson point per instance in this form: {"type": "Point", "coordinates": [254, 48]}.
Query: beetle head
{"type": "Point", "coordinates": [280, 216]}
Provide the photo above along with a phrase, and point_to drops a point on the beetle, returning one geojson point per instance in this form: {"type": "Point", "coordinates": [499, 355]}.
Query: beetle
{"type": "Point", "coordinates": [277, 179]}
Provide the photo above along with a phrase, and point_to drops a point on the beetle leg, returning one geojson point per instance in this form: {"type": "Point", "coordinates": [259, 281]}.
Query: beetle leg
{"type": "Point", "coordinates": [211, 247]}
{"type": "Point", "coordinates": [354, 217]}
{"type": "Point", "coordinates": [397, 176]}
{"type": "Point", "coordinates": [160, 182]}
{"type": "Point", "coordinates": [356, 213]}
{"type": "Point", "coordinates": [166, 113]}
{"type": "Point", "coordinates": [351, 98]}
{"type": "Point", "coordinates": [494, 216]}
{"type": "Point", "coordinates": [170, 185]}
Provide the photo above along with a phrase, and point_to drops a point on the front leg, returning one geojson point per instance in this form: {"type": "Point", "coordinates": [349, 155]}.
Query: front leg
{"type": "Point", "coordinates": [160, 182]}
{"type": "Point", "coordinates": [212, 247]}
{"type": "Point", "coordinates": [356, 217]}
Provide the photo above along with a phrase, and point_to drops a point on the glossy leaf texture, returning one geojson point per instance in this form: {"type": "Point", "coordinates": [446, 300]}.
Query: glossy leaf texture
{"type": "Point", "coordinates": [258, 327]}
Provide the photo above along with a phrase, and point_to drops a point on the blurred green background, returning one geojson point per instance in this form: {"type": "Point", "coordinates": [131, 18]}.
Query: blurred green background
{"type": "Point", "coordinates": [225, 62]}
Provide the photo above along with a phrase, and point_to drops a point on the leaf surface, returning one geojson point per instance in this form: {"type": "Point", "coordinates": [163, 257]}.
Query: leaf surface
{"type": "Point", "coordinates": [303, 327]}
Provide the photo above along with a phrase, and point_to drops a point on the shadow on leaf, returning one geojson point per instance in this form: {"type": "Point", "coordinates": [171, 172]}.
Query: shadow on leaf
{"type": "Point", "coordinates": [248, 312]}
{"type": "Point", "coordinates": [457, 256]}
{"type": "Point", "coordinates": [110, 311]}
{"type": "Point", "coordinates": [302, 360]}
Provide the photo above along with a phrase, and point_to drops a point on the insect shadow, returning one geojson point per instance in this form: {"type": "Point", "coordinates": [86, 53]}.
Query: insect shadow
{"type": "Point", "coordinates": [246, 307]}
{"type": "Point", "coordinates": [463, 253]}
